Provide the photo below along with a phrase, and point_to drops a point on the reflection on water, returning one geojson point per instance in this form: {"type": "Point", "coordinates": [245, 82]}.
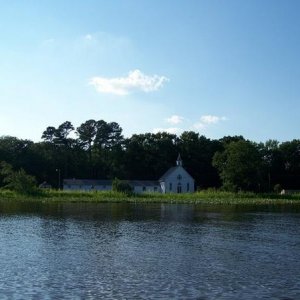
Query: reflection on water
{"type": "Point", "coordinates": [150, 251]}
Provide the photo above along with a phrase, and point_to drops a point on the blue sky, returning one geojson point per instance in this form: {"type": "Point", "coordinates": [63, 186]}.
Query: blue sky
{"type": "Point", "coordinates": [215, 67]}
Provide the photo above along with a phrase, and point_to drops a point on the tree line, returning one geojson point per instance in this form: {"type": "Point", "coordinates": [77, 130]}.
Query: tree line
{"type": "Point", "coordinates": [98, 150]}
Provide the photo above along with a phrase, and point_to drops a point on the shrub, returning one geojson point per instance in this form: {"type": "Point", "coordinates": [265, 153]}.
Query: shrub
{"type": "Point", "coordinates": [18, 181]}
{"type": "Point", "coordinates": [122, 186]}
{"type": "Point", "coordinates": [277, 188]}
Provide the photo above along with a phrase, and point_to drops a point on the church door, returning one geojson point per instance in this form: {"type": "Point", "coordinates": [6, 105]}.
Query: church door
{"type": "Point", "coordinates": [179, 188]}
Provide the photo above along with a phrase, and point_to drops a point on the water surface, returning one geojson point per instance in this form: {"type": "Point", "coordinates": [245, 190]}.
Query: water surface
{"type": "Point", "coordinates": [128, 251]}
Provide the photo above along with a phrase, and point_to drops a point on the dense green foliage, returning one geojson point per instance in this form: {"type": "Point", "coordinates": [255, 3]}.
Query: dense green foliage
{"type": "Point", "coordinates": [121, 186]}
{"type": "Point", "coordinates": [98, 150]}
{"type": "Point", "coordinates": [239, 165]}
{"type": "Point", "coordinates": [18, 181]}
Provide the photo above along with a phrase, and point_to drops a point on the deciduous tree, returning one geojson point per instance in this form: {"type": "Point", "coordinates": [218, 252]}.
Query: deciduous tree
{"type": "Point", "coordinates": [239, 166]}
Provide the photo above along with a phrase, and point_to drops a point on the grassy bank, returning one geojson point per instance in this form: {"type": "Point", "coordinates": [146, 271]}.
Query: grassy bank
{"type": "Point", "coordinates": [203, 197]}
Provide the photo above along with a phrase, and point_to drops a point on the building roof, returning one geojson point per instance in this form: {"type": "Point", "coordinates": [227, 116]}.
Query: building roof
{"type": "Point", "coordinates": [87, 182]}
{"type": "Point", "coordinates": [171, 170]}
{"type": "Point", "coordinates": [166, 174]}
{"type": "Point", "coordinates": [143, 182]}
{"type": "Point", "coordinates": [94, 182]}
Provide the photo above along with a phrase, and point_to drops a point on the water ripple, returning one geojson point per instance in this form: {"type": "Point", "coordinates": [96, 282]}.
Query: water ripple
{"type": "Point", "coordinates": [149, 252]}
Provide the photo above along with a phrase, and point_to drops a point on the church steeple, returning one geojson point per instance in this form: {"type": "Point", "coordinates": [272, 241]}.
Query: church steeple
{"type": "Point", "coordinates": [179, 160]}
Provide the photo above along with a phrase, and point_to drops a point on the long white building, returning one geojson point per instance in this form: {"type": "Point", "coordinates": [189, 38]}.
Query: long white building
{"type": "Point", "coordinates": [175, 180]}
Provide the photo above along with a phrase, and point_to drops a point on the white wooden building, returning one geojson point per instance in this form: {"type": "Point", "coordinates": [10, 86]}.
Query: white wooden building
{"type": "Point", "coordinates": [87, 185]}
{"type": "Point", "coordinates": [144, 186]}
{"type": "Point", "coordinates": [175, 180]}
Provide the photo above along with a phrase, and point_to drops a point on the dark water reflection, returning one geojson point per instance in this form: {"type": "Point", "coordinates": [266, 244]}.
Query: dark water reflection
{"type": "Point", "coordinates": [127, 251]}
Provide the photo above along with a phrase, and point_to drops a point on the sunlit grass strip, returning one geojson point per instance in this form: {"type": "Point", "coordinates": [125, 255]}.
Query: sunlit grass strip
{"type": "Point", "coordinates": [202, 197]}
{"type": "Point", "coordinates": [220, 197]}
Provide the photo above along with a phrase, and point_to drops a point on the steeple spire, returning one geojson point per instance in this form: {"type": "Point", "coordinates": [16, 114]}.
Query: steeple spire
{"type": "Point", "coordinates": [179, 160]}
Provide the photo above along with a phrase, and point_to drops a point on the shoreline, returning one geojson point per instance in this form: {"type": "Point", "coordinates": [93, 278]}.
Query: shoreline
{"type": "Point", "coordinates": [206, 197]}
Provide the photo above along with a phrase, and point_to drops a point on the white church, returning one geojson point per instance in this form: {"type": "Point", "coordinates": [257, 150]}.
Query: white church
{"type": "Point", "coordinates": [175, 180]}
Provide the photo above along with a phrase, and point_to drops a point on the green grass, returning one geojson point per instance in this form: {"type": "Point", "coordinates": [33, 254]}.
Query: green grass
{"type": "Point", "coordinates": [209, 197]}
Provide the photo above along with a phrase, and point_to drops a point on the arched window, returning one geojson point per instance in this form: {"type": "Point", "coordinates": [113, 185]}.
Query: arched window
{"type": "Point", "coordinates": [179, 177]}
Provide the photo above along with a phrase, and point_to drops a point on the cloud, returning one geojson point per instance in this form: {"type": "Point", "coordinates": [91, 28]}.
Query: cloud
{"type": "Point", "coordinates": [199, 126]}
{"type": "Point", "coordinates": [88, 37]}
{"type": "Point", "coordinates": [172, 130]}
{"type": "Point", "coordinates": [207, 120]}
{"type": "Point", "coordinates": [204, 122]}
{"type": "Point", "coordinates": [135, 81]}
{"type": "Point", "coordinates": [175, 119]}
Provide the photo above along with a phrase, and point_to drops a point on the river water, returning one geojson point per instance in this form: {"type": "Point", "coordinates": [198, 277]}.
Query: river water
{"type": "Point", "coordinates": [128, 251]}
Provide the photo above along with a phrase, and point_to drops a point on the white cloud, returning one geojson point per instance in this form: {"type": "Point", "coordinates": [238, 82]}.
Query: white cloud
{"type": "Point", "coordinates": [121, 86]}
{"type": "Point", "coordinates": [199, 126]}
{"type": "Point", "coordinates": [175, 119]}
{"type": "Point", "coordinates": [88, 37]}
{"type": "Point", "coordinates": [207, 120]}
{"type": "Point", "coordinates": [172, 130]}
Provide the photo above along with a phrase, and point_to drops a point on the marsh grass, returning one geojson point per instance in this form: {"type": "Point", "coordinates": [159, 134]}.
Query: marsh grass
{"type": "Point", "coordinates": [209, 197]}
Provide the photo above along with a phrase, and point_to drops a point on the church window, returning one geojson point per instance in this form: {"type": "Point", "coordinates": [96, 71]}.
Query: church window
{"type": "Point", "coordinates": [170, 186]}
{"type": "Point", "coordinates": [188, 187]}
{"type": "Point", "coordinates": [179, 177]}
